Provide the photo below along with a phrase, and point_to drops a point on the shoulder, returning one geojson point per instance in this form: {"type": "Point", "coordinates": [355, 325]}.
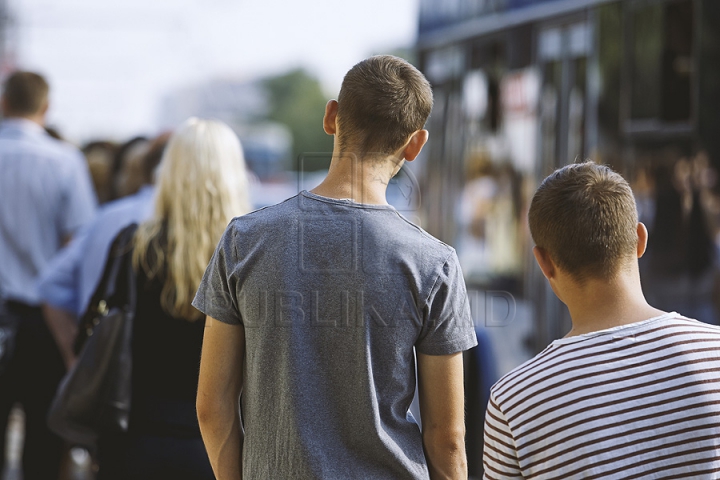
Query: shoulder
{"type": "Point", "coordinates": [427, 239]}
{"type": "Point", "coordinates": [279, 212]}
{"type": "Point", "coordinates": [134, 206]}
{"type": "Point", "coordinates": [253, 228]}
{"type": "Point", "coordinates": [557, 360]}
{"type": "Point", "coordinates": [54, 148]}
{"type": "Point", "coordinates": [68, 155]}
{"type": "Point", "coordinates": [389, 236]}
{"type": "Point", "coordinates": [692, 324]}
{"type": "Point", "coordinates": [515, 381]}
{"type": "Point", "coordinates": [56, 157]}
{"type": "Point", "coordinates": [114, 216]}
{"type": "Point", "coordinates": [61, 147]}
{"type": "Point", "coordinates": [428, 253]}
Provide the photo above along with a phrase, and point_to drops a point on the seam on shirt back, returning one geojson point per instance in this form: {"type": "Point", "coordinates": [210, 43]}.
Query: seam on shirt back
{"type": "Point", "coordinates": [437, 278]}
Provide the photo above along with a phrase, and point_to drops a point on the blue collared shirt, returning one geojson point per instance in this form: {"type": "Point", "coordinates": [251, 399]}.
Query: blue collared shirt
{"type": "Point", "coordinates": [71, 278]}
{"type": "Point", "coordinates": [45, 195]}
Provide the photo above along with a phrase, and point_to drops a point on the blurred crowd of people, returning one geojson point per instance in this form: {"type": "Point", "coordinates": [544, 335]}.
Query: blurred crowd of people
{"type": "Point", "coordinates": [118, 169]}
{"type": "Point", "coordinates": [678, 201]}
{"type": "Point", "coordinates": [61, 210]}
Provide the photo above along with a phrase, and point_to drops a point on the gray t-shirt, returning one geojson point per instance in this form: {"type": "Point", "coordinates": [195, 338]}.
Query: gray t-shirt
{"type": "Point", "coordinates": [333, 296]}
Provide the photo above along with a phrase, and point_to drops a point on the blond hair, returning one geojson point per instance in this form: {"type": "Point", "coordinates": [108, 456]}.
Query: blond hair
{"type": "Point", "coordinates": [202, 184]}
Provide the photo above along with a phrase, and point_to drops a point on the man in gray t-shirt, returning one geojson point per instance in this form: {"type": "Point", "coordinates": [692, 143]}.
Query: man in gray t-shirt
{"type": "Point", "coordinates": [322, 302]}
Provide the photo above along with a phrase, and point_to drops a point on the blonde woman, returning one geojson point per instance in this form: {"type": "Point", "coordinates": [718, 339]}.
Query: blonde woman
{"type": "Point", "coordinates": [202, 184]}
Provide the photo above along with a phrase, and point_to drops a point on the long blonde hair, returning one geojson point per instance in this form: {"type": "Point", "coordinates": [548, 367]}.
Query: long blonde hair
{"type": "Point", "coordinates": [202, 184]}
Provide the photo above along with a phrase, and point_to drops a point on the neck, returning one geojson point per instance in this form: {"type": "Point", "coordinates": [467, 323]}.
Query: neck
{"type": "Point", "coordinates": [601, 304]}
{"type": "Point", "coordinates": [36, 118]}
{"type": "Point", "coordinates": [362, 179]}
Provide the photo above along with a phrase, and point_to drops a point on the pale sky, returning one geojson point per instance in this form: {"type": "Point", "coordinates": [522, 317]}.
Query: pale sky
{"type": "Point", "coordinates": [110, 61]}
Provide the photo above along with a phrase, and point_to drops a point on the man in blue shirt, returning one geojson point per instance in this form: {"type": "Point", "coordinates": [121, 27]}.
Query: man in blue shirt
{"type": "Point", "coordinates": [46, 195]}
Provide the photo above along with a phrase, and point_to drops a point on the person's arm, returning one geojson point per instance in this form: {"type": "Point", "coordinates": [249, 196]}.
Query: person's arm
{"type": "Point", "coordinates": [63, 326]}
{"type": "Point", "coordinates": [59, 281]}
{"type": "Point", "coordinates": [58, 288]}
{"type": "Point", "coordinates": [219, 388]}
{"type": "Point", "coordinates": [79, 203]}
{"type": "Point", "coordinates": [442, 410]}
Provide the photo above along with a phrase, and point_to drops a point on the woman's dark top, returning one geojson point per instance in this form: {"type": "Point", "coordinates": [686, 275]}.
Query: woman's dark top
{"type": "Point", "coordinates": [166, 362]}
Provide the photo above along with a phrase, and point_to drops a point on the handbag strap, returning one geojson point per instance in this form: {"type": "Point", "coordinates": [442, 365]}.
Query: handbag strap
{"type": "Point", "coordinates": [119, 255]}
{"type": "Point", "coordinates": [132, 291]}
{"type": "Point", "coordinates": [122, 248]}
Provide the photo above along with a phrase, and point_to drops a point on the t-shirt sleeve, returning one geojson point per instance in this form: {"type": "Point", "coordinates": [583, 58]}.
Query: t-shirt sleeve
{"type": "Point", "coordinates": [447, 324]}
{"type": "Point", "coordinates": [499, 455]}
{"type": "Point", "coordinates": [216, 295]}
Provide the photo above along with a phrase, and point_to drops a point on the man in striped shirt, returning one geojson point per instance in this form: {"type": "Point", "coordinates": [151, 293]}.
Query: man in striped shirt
{"type": "Point", "coordinates": [631, 391]}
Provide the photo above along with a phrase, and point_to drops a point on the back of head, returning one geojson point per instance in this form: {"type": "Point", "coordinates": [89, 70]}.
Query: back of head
{"type": "Point", "coordinates": [125, 154]}
{"type": "Point", "coordinates": [584, 215]}
{"type": "Point", "coordinates": [202, 184]}
{"type": "Point", "coordinates": [383, 100]}
{"type": "Point", "coordinates": [152, 158]}
{"type": "Point", "coordinates": [139, 163]}
{"type": "Point", "coordinates": [25, 94]}
{"type": "Point", "coordinates": [99, 156]}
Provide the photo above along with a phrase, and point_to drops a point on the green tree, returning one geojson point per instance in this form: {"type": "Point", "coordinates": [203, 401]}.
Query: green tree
{"type": "Point", "coordinates": [297, 101]}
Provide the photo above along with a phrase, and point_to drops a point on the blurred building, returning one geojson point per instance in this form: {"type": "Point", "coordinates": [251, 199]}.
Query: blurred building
{"type": "Point", "coordinates": [525, 86]}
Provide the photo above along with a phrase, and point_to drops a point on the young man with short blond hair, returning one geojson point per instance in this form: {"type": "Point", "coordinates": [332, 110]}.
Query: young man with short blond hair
{"type": "Point", "coordinates": [631, 391]}
{"type": "Point", "coordinates": [317, 306]}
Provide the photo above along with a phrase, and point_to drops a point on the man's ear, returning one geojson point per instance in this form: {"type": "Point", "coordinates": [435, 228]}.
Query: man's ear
{"type": "Point", "coordinates": [545, 262]}
{"type": "Point", "coordinates": [415, 145]}
{"type": "Point", "coordinates": [642, 234]}
{"type": "Point", "coordinates": [330, 118]}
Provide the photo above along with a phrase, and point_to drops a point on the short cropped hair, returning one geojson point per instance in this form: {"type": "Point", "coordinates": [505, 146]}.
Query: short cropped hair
{"type": "Point", "coordinates": [26, 93]}
{"type": "Point", "coordinates": [584, 215]}
{"type": "Point", "coordinates": [382, 101]}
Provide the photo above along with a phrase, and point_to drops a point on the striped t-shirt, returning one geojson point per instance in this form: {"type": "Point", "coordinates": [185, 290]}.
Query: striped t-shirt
{"type": "Point", "coordinates": [637, 401]}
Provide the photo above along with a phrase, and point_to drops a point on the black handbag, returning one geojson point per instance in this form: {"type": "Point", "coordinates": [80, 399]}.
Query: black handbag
{"type": "Point", "coordinates": [94, 397]}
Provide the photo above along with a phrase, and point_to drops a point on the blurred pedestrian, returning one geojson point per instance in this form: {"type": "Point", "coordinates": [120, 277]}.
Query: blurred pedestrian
{"type": "Point", "coordinates": [631, 391]}
{"type": "Point", "coordinates": [201, 186]}
{"type": "Point", "coordinates": [316, 307]}
{"type": "Point", "coordinates": [45, 197]}
{"type": "Point", "coordinates": [68, 282]}
{"type": "Point", "coordinates": [99, 155]}
{"type": "Point", "coordinates": [124, 171]}
{"type": "Point", "coordinates": [679, 272]}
